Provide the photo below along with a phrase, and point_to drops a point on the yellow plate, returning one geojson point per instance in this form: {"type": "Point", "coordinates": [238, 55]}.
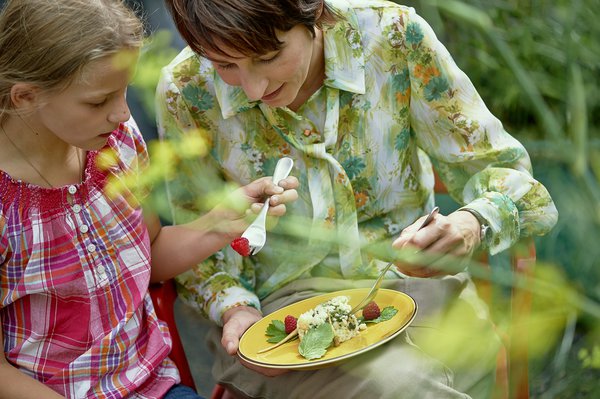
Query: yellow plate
{"type": "Point", "coordinates": [287, 357]}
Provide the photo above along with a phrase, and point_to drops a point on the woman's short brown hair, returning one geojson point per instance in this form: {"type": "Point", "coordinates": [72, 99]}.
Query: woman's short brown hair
{"type": "Point", "coordinates": [246, 26]}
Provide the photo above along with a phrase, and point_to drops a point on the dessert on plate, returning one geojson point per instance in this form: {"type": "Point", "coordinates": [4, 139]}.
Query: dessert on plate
{"type": "Point", "coordinates": [336, 312]}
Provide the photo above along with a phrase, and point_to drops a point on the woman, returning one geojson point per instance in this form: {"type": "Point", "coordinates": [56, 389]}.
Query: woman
{"type": "Point", "coordinates": [365, 99]}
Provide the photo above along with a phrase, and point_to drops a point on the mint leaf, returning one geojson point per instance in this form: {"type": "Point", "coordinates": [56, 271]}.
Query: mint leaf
{"type": "Point", "coordinates": [387, 313]}
{"type": "Point", "coordinates": [275, 331]}
{"type": "Point", "coordinates": [316, 341]}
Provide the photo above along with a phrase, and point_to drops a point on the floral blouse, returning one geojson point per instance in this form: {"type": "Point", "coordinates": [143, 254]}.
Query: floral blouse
{"type": "Point", "coordinates": [393, 105]}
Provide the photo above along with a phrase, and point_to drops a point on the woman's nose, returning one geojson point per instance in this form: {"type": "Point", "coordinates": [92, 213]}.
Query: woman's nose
{"type": "Point", "coordinates": [254, 85]}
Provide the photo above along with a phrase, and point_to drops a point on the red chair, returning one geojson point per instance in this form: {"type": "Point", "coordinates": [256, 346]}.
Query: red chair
{"type": "Point", "coordinates": [164, 295]}
{"type": "Point", "coordinates": [512, 380]}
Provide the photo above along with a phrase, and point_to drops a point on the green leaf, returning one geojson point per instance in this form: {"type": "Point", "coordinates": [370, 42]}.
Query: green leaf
{"type": "Point", "coordinates": [275, 331]}
{"type": "Point", "coordinates": [387, 313]}
{"type": "Point", "coordinates": [316, 341]}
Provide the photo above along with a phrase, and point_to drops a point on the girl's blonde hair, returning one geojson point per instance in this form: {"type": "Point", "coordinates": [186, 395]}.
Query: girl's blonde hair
{"type": "Point", "coordinates": [48, 42]}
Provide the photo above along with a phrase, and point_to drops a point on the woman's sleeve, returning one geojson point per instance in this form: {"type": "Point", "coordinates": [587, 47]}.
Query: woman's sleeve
{"type": "Point", "coordinates": [485, 169]}
{"type": "Point", "coordinates": [213, 286]}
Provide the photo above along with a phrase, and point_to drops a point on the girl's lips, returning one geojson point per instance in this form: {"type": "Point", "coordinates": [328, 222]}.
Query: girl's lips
{"type": "Point", "coordinates": [273, 94]}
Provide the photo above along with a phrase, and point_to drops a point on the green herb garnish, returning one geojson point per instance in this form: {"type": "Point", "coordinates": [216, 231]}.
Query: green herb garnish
{"type": "Point", "coordinates": [315, 342]}
{"type": "Point", "coordinates": [275, 331]}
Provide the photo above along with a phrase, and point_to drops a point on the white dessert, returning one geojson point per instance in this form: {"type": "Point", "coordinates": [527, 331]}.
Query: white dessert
{"type": "Point", "coordinates": [336, 312]}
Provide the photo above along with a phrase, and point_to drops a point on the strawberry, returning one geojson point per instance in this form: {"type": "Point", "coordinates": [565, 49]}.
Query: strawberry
{"type": "Point", "coordinates": [290, 323]}
{"type": "Point", "coordinates": [371, 311]}
{"type": "Point", "coordinates": [241, 246]}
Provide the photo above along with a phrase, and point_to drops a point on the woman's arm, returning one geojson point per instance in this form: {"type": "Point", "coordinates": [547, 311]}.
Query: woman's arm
{"type": "Point", "coordinates": [484, 168]}
{"type": "Point", "coordinates": [16, 385]}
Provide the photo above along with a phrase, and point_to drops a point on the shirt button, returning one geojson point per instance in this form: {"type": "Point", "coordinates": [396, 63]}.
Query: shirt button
{"type": "Point", "coordinates": [72, 189]}
{"type": "Point", "coordinates": [91, 248]}
{"type": "Point", "coordinates": [76, 208]}
{"type": "Point", "coordinates": [84, 228]}
{"type": "Point", "coordinates": [101, 269]}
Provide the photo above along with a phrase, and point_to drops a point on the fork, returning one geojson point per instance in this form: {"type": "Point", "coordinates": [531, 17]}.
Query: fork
{"type": "Point", "coordinates": [256, 233]}
{"type": "Point", "coordinates": [377, 283]}
{"type": "Point", "coordinates": [371, 293]}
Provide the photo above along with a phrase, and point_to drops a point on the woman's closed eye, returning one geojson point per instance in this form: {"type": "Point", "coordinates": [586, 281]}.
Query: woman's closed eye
{"type": "Point", "coordinates": [267, 60]}
{"type": "Point", "coordinates": [225, 66]}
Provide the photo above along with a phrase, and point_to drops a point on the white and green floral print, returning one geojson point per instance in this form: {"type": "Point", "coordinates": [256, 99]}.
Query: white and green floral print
{"type": "Point", "coordinates": [393, 105]}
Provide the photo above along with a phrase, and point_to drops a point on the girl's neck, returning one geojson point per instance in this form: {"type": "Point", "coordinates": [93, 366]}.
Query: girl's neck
{"type": "Point", "coordinates": [31, 153]}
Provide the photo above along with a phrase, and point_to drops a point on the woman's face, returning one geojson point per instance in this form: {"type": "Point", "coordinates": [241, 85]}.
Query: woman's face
{"type": "Point", "coordinates": [278, 78]}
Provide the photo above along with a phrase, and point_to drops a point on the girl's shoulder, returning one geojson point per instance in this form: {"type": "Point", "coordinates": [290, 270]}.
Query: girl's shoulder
{"type": "Point", "coordinates": [124, 152]}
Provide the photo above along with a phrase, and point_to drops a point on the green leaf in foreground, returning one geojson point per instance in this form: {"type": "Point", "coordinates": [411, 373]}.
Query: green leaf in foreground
{"type": "Point", "coordinates": [316, 341]}
{"type": "Point", "coordinates": [275, 331]}
{"type": "Point", "coordinates": [387, 313]}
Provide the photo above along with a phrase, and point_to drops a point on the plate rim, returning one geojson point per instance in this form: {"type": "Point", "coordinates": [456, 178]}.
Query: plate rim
{"type": "Point", "coordinates": [335, 360]}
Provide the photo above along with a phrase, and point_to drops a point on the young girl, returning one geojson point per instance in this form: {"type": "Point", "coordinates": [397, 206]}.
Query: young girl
{"type": "Point", "coordinates": [77, 319]}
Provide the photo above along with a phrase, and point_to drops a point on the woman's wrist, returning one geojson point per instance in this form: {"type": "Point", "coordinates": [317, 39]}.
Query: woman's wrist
{"type": "Point", "coordinates": [482, 229]}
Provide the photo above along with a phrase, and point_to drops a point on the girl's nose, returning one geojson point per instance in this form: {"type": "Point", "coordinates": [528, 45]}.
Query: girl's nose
{"type": "Point", "coordinates": [120, 113]}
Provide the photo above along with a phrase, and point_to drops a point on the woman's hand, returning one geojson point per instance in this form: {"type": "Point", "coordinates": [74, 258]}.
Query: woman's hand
{"type": "Point", "coordinates": [235, 322]}
{"type": "Point", "coordinates": [456, 234]}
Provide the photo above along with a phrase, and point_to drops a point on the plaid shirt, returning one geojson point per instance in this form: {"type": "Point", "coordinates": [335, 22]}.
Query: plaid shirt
{"type": "Point", "coordinates": [74, 274]}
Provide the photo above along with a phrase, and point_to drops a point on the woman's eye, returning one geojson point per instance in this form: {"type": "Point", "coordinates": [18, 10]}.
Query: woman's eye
{"type": "Point", "coordinates": [225, 66]}
{"type": "Point", "coordinates": [268, 60]}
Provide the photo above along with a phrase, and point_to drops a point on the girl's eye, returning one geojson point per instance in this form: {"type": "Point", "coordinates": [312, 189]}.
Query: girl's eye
{"type": "Point", "coordinates": [97, 105]}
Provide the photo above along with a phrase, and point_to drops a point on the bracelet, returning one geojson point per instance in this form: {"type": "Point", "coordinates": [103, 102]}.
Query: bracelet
{"type": "Point", "coordinates": [484, 227]}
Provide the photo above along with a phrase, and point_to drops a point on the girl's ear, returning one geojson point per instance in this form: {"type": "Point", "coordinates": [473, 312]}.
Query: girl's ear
{"type": "Point", "coordinates": [24, 95]}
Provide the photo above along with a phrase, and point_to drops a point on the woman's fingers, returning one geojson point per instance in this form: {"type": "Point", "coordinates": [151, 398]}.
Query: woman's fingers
{"type": "Point", "coordinates": [423, 238]}
{"type": "Point", "coordinates": [235, 321]}
{"type": "Point", "coordinates": [450, 234]}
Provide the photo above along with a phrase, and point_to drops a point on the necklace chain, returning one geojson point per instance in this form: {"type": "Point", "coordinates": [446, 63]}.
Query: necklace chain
{"type": "Point", "coordinates": [31, 163]}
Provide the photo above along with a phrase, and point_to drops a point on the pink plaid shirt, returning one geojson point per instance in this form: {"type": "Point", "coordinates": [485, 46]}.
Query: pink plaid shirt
{"type": "Point", "coordinates": [74, 273]}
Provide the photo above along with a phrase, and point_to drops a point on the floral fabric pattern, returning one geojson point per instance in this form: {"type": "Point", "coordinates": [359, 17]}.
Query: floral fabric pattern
{"type": "Point", "coordinates": [393, 105]}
